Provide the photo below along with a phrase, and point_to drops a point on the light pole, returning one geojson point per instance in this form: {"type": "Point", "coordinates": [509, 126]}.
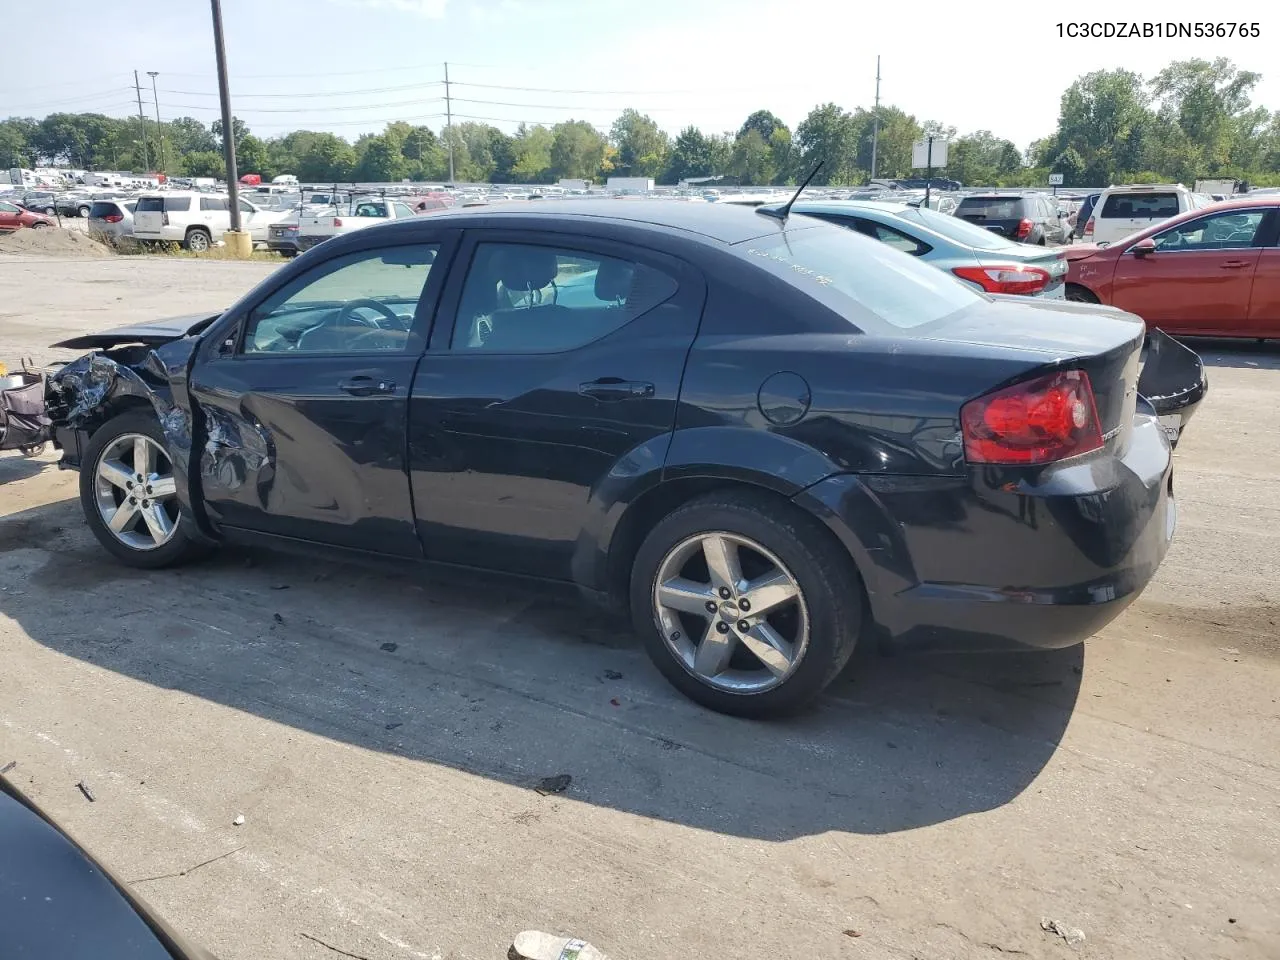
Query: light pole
{"type": "Point", "coordinates": [159, 131]}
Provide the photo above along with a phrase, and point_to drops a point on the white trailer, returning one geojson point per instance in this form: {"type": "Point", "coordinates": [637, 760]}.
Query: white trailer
{"type": "Point", "coordinates": [630, 185]}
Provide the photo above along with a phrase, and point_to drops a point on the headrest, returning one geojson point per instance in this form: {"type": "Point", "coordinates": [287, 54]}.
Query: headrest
{"type": "Point", "coordinates": [527, 268]}
{"type": "Point", "coordinates": [613, 279]}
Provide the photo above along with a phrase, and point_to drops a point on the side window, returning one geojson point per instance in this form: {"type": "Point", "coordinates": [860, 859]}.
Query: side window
{"type": "Point", "coordinates": [1221, 231]}
{"type": "Point", "coordinates": [523, 298]}
{"type": "Point", "coordinates": [359, 303]}
{"type": "Point", "coordinates": [7, 208]}
{"type": "Point", "coordinates": [403, 210]}
{"type": "Point", "coordinates": [247, 207]}
{"type": "Point", "coordinates": [894, 238]}
{"type": "Point", "coordinates": [368, 209]}
{"type": "Point", "coordinates": [212, 203]}
{"type": "Point", "coordinates": [177, 204]}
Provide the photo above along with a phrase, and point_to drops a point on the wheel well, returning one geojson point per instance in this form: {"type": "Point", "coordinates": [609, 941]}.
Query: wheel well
{"type": "Point", "coordinates": [1089, 295]}
{"type": "Point", "coordinates": [196, 228]}
{"type": "Point", "coordinates": [654, 504]}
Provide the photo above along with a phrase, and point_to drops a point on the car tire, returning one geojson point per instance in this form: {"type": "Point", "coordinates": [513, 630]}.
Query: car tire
{"type": "Point", "coordinates": [828, 604]}
{"type": "Point", "coordinates": [40, 225]}
{"type": "Point", "coordinates": [111, 451]}
{"type": "Point", "coordinates": [198, 240]}
{"type": "Point", "coordinates": [83, 212]}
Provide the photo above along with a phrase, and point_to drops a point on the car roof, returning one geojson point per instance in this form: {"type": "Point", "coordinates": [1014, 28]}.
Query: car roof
{"type": "Point", "coordinates": [728, 223]}
{"type": "Point", "coordinates": [841, 206]}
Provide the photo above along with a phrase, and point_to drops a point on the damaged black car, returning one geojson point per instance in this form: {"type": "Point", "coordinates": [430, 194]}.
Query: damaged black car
{"type": "Point", "coordinates": [758, 435]}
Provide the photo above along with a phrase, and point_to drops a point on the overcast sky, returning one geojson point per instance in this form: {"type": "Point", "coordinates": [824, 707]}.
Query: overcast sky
{"type": "Point", "coordinates": [350, 66]}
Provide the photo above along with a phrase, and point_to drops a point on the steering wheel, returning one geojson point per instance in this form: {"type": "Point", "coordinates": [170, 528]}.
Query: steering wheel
{"type": "Point", "coordinates": [347, 313]}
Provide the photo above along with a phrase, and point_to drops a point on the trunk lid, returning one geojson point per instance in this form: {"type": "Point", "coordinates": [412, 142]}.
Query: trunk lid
{"type": "Point", "coordinates": [1104, 342]}
{"type": "Point", "coordinates": [1051, 261]}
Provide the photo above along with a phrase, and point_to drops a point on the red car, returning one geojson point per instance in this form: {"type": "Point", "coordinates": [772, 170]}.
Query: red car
{"type": "Point", "coordinates": [13, 217]}
{"type": "Point", "coordinates": [1209, 272]}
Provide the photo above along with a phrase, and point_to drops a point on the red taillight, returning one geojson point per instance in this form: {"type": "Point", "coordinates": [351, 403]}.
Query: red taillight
{"type": "Point", "coordinates": [1024, 229]}
{"type": "Point", "coordinates": [337, 221]}
{"type": "Point", "coordinates": [113, 217]}
{"type": "Point", "coordinates": [1014, 278]}
{"type": "Point", "coordinates": [1088, 227]}
{"type": "Point", "coordinates": [1039, 421]}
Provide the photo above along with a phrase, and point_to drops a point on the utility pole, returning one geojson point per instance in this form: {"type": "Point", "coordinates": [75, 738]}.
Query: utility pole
{"type": "Point", "coordinates": [448, 119]}
{"type": "Point", "coordinates": [142, 121]}
{"type": "Point", "coordinates": [228, 131]}
{"type": "Point", "coordinates": [159, 130]}
{"type": "Point", "coordinates": [875, 122]}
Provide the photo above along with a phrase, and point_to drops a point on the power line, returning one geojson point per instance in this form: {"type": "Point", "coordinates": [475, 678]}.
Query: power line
{"type": "Point", "coordinates": [343, 93]}
{"type": "Point", "coordinates": [330, 109]}
{"type": "Point", "coordinates": [613, 93]}
{"type": "Point", "coordinates": [561, 106]}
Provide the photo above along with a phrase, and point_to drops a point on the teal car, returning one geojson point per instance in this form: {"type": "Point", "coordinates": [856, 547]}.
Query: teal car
{"type": "Point", "coordinates": [975, 256]}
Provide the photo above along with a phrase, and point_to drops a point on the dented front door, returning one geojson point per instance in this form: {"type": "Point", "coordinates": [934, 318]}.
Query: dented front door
{"type": "Point", "coordinates": [303, 411]}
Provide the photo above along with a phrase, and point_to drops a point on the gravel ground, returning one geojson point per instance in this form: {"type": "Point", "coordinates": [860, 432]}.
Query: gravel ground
{"type": "Point", "coordinates": [380, 734]}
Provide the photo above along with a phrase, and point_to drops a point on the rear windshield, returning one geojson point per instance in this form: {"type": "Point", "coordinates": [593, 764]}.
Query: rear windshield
{"type": "Point", "coordinates": [1140, 206]}
{"type": "Point", "coordinates": [150, 205]}
{"type": "Point", "coordinates": [961, 231]}
{"type": "Point", "coordinates": [992, 208]}
{"type": "Point", "coordinates": [853, 274]}
{"type": "Point", "coordinates": [101, 209]}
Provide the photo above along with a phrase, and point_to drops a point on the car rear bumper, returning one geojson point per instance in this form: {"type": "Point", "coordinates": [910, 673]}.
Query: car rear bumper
{"type": "Point", "coordinates": [1004, 557]}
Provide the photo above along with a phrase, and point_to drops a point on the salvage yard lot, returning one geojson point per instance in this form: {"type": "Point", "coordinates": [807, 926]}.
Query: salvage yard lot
{"type": "Point", "coordinates": [381, 732]}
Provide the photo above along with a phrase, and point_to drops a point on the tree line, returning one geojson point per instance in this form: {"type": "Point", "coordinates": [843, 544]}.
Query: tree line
{"type": "Point", "coordinates": [1193, 119]}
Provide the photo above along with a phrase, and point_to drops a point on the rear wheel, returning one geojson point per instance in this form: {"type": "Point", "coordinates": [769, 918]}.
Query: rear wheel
{"type": "Point", "coordinates": [129, 495]}
{"type": "Point", "coordinates": [745, 604]}
{"type": "Point", "coordinates": [198, 240]}
{"type": "Point", "coordinates": [83, 211]}
{"type": "Point", "coordinates": [1080, 294]}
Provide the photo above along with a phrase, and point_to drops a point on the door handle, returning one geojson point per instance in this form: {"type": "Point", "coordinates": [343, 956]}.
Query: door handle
{"type": "Point", "coordinates": [1234, 264]}
{"type": "Point", "coordinates": [613, 388]}
{"type": "Point", "coordinates": [363, 386]}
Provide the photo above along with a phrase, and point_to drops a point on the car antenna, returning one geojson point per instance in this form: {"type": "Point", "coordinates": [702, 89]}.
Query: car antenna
{"type": "Point", "coordinates": [782, 211]}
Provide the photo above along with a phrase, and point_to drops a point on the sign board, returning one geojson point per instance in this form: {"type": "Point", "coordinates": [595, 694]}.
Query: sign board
{"type": "Point", "coordinates": [1055, 179]}
{"type": "Point", "coordinates": [921, 158]}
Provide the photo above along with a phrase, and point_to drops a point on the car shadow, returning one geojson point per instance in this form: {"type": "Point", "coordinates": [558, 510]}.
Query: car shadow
{"type": "Point", "coordinates": [15, 466]}
{"type": "Point", "coordinates": [508, 683]}
{"type": "Point", "coordinates": [1235, 352]}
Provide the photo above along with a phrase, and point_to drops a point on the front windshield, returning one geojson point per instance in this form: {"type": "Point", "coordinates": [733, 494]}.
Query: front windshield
{"type": "Point", "coordinates": [953, 228]}
{"type": "Point", "coordinates": [855, 275]}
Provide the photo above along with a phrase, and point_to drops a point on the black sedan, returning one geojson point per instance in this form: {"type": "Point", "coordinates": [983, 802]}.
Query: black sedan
{"type": "Point", "coordinates": [57, 901]}
{"type": "Point", "coordinates": [758, 435]}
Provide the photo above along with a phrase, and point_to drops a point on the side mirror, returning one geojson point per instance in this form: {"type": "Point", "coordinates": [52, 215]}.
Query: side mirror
{"type": "Point", "coordinates": [1143, 248]}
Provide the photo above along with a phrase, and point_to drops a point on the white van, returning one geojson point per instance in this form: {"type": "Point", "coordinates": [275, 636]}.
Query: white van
{"type": "Point", "coordinates": [196, 220]}
{"type": "Point", "coordinates": [1123, 210]}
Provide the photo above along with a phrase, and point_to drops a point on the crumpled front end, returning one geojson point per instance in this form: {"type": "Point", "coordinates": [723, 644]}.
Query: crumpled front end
{"type": "Point", "coordinates": [89, 391]}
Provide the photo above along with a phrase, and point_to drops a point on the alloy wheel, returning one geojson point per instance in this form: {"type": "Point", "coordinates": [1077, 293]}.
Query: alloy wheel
{"type": "Point", "coordinates": [198, 241]}
{"type": "Point", "coordinates": [136, 493]}
{"type": "Point", "coordinates": [731, 612]}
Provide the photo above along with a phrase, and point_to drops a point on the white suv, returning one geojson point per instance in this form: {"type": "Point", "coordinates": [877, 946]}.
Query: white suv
{"type": "Point", "coordinates": [196, 220]}
{"type": "Point", "coordinates": [1121, 211]}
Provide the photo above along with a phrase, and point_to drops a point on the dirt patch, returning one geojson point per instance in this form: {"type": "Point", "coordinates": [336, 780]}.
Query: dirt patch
{"type": "Point", "coordinates": [51, 241]}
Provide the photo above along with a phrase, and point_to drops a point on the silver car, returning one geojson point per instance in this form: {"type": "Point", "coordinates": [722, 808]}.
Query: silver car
{"type": "Point", "coordinates": [110, 220]}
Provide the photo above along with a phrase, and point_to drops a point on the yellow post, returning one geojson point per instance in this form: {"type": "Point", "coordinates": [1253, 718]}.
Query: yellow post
{"type": "Point", "coordinates": [239, 244]}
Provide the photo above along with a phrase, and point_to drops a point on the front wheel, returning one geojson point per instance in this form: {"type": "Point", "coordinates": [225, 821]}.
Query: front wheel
{"type": "Point", "coordinates": [39, 225]}
{"type": "Point", "coordinates": [129, 495]}
{"type": "Point", "coordinates": [746, 605]}
{"type": "Point", "coordinates": [84, 212]}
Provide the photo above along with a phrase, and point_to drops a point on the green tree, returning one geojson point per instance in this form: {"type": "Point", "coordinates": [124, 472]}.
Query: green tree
{"type": "Point", "coordinates": [381, 161]}
{"type": "Point", "coordinates": [577, 150]}
{"type": "Point", "coordinates": [982, 158]}
{"type": "Point", "coordinates": [1105, 117]}
{"type": "Point", "coordinates": [692, 155]}
{"type": "Point", "coordinates": [642, 146]}
{"type": "Point", "coordinates": [16, 147]}
{"type": "Point", "coordinates": [326, 157]}
{"type": "Point", "coordinates": [762, 122]}
{"type": "Point", "coordinates": [205, 163]}
{"type": "Point", "coordinates": [188, 135]}
{"type": "Point", "coordinates": [752, 159]}
{"type": "Point", "coordinates": [531, 153]}
{"type": "Point", "coordinates": [252, 157]}
{"type": "Point", "coordinates": [238, 127]}
{"type": "Point", "coordinates": [784, 157]}
{"type": "Point", "coordinates": [828, 135]}
{"type": "Point", "coordinates": [1209, 104]}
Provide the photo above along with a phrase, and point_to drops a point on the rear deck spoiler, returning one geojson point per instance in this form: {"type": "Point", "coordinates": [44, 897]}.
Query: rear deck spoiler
{"type": "Point", "coordinates": [1173, 381]}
